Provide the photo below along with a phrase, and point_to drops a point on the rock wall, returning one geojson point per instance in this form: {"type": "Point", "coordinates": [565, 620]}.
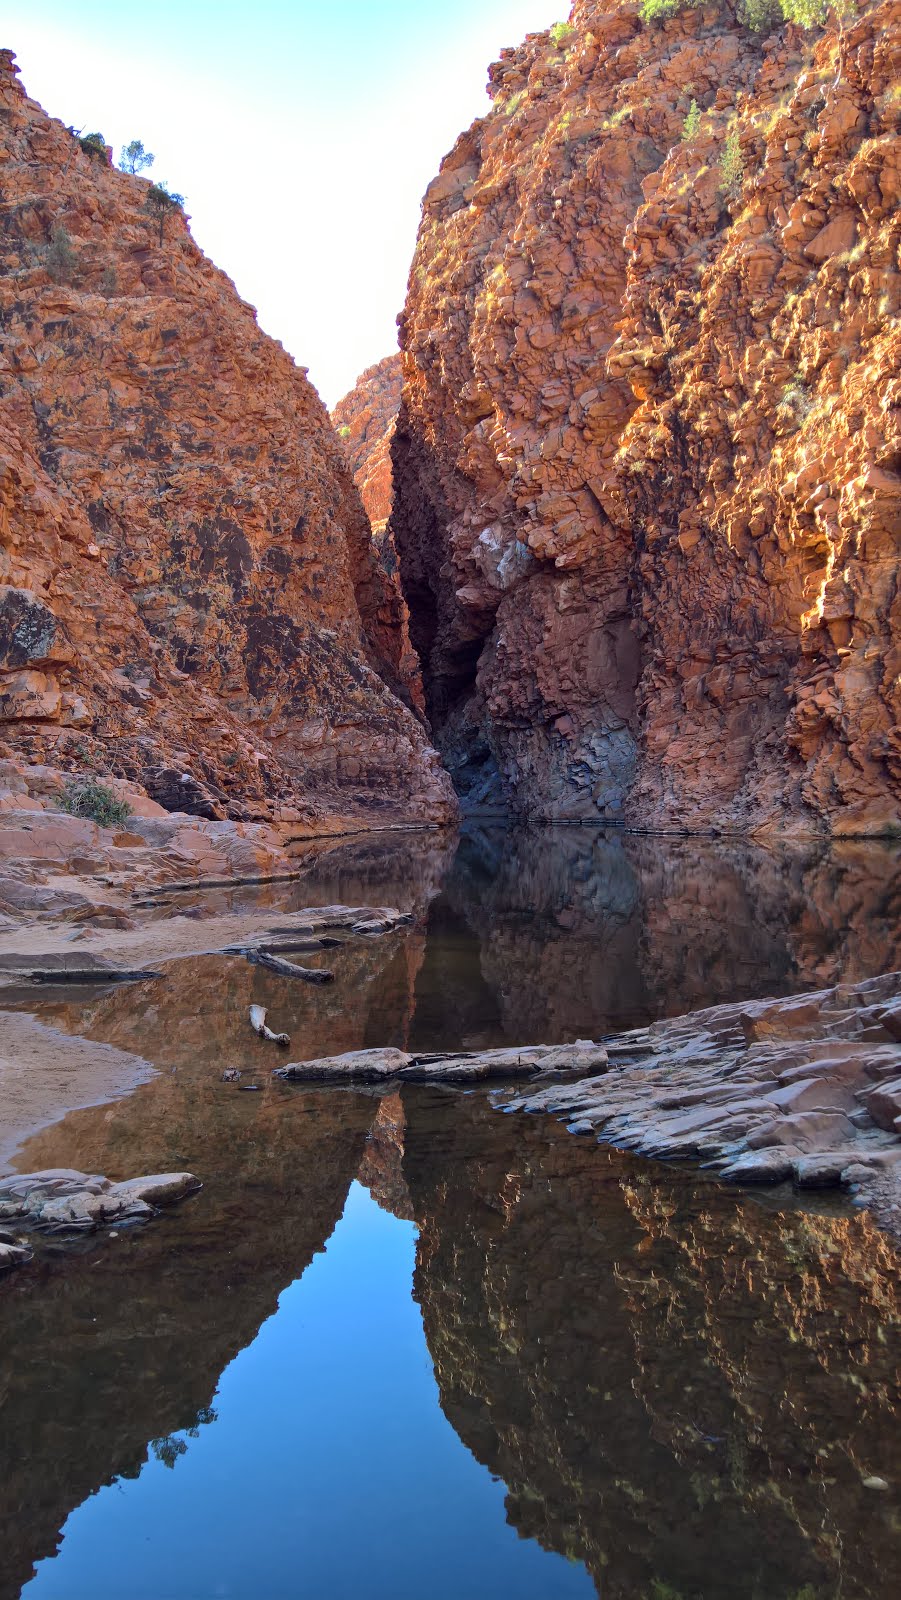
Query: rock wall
{"type": "Point", "coordinates": [648, 459]}
{"type": "Point", "coordinates": [187, 580]}
{"type": "Point", "coordinates": [365, 421]}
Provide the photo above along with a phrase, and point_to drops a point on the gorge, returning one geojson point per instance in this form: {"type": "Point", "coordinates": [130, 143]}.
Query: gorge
{"type": "Point", "coordinates": [538, 701]}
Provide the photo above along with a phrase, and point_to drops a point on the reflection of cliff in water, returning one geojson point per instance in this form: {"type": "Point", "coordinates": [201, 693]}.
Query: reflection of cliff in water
{"type": "Point", "coordinates": [81, 1398]}
{"type": "Point", "coordinates": [583, 931]}
{"type": "Point", "coordinates": [680, 1388]}
{"type": "Point", "coordinates": [124, 1344]}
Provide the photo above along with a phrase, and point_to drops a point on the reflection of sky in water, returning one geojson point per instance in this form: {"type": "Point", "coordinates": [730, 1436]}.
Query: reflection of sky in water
{"type": "Point", "coordinates": [329, 1471]}
{"type": "Point", "coordinates": [658, 1368]}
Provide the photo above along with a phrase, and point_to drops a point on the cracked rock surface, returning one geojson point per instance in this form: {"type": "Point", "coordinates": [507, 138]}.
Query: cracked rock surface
{"type": "Point", "coordinates": [806, 1089]}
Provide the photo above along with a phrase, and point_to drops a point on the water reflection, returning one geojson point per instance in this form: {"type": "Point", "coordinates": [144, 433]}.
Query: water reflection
{"type": "Point", "coordinates": [679, 1389]}
{"type": "Point", "coordinates": [580, 931]}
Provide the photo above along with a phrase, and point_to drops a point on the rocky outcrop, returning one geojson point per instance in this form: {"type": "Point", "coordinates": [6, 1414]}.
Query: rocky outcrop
{"type": "Point", "coordinates": [365, 421]}
{"type": "Point", "coordinates": [61, 1201]}
{"type": "Point", "coordinates": [189, 597]}
{"type": "Point", "coordinates": [648, 459]}
{"type": "Point", "coordinates": [386, 1064]}
{"type": "Point", "coordinates": [807, 1089]}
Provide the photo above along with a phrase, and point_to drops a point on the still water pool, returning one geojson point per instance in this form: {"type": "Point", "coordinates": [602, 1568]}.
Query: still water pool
{"type": "Point", "coordinates": [406, 1346]}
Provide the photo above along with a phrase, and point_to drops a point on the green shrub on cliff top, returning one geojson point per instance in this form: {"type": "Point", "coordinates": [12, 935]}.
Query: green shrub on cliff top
{"type": "Point", "coordinates": [95, 800]}
{"type": "Point", "coordinates": [758, 15]}
{"type": "Point", "coordinates": [93, 145]}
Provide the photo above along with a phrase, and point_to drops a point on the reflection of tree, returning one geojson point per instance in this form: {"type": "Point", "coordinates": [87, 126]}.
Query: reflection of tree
{"type": "Point", "coordinates": [170, 1446]}
{"type": "Point", "coordinates": [168, 1449]}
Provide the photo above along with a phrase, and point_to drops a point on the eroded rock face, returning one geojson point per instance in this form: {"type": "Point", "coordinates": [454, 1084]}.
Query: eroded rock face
{"type": "Point", "coordinates": [648, 458]}
{"type": "Point", "coordinates": [189, 596]}
{"type": "Point", "coordinates": [365, 421]}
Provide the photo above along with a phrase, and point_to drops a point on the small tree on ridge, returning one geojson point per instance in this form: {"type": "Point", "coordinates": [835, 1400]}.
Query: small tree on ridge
{"type": "Point", "coordinates": [134, 158]}
{"type": "Point", "coordinates": [160, 203]}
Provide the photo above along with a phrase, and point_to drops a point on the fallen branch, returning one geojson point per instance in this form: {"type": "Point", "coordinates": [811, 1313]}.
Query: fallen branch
{"type": "Point", "coordinates": [258, 1024]}
{"type": "Point", "coordinates": [288, 969]}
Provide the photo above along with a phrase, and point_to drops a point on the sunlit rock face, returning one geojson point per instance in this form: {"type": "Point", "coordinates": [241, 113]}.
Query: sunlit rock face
{"type": "Point", "coordinates": [365, 421]}
{"type": "Point", "coordinates": [187, 578]}
{"type": "Point", "coordinates": [648, 457]}
{"type": "Point", "coordinates": [680, 1388]}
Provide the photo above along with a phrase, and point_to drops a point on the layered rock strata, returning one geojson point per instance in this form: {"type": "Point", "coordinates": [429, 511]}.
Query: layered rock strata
{"type": "Point", "coordinates": [806, 1089]}
{"type": "Point", "coordinates": [189, 596]}
{"type": "Point", "coordinates": [648, 459]}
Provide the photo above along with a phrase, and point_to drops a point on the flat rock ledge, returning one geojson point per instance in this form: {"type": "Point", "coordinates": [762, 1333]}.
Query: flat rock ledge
{"type": "Point", "coordinates": [63, 1201]}
{"type": "Point", "coordinates": [304, 930]}
{"type": "Point", "coordinates": [806, 1089]}
{"type": "Point", "coordinates": [460, 1068]}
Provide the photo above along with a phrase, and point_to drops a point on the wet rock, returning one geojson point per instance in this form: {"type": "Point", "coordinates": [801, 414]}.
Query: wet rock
{"type": "Point", "coordinates": [354, 1066]}
{"type": "Point", "coordinates": [13, 1254]}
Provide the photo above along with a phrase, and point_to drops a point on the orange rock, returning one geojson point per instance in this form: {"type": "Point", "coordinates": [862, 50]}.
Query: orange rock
{"type": "Point", "coordinates": [676, 390]}
{"type": "Point", "coordinates": [189, 595]}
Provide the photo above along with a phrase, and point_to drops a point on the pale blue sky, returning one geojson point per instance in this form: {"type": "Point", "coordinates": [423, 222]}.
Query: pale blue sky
{"type": "Point", "coordinates": [303, 136]}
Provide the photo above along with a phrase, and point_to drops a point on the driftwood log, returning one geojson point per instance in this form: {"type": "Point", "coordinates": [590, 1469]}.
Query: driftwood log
{"type": "Point", "coordinates": [258, 1024]}
{"type": "Point", "coordinates": [288, 969]}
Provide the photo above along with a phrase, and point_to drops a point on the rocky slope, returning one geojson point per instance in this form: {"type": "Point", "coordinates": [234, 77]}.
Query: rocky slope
{"type": "Point", "coordinates": [648, 459]}
{"type": "Point", "coordinates": [187, 581]}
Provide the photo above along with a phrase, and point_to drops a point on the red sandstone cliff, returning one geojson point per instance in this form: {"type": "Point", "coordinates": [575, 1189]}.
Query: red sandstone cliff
{"type": "Point", "coordinates": [365, 422]}
{"type": "Point", "coordinates": [187, 580]}
{"type": "Point", "coordinates": [648, 460]}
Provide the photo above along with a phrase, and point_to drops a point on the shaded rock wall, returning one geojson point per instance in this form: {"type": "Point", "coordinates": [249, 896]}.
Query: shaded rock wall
{"type": "Point", "coordinates": [648, 458]}
{"type": "Point", "coordinates": [187, 581]}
